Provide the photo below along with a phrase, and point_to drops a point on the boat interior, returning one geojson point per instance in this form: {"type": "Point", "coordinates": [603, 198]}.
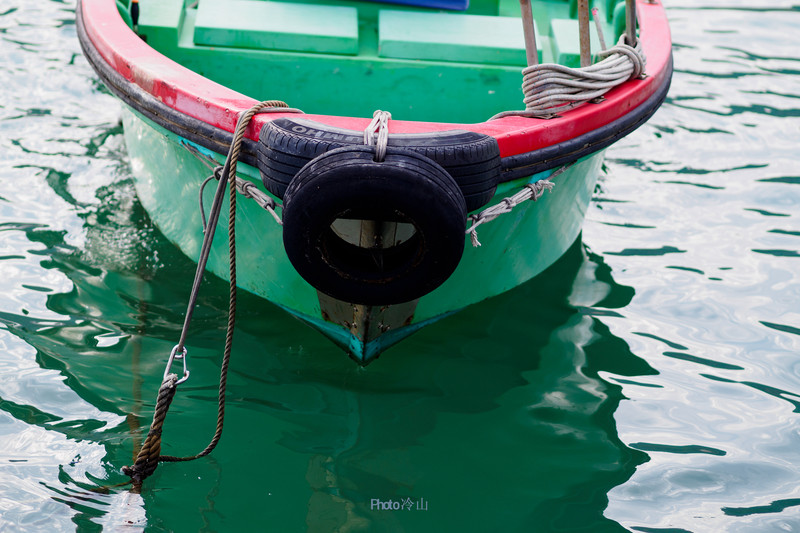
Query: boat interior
{"type": "Point", "coordinates": [448, 63]}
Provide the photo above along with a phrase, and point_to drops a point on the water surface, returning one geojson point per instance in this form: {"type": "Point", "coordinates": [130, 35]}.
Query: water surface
{"type": "Point", "coordinates": [649, 381]}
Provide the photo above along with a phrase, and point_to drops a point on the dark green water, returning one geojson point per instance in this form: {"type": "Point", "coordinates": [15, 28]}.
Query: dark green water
{"type": "Point", "coordinates": [649, 381]}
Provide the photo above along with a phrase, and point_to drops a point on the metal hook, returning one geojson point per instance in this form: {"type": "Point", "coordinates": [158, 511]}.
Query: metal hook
{"type": "Point", "coordinates": [175, 355]}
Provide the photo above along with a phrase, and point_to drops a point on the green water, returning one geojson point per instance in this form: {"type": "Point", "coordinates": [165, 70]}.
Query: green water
{"type": "Point", "coordinates": [649, 381]}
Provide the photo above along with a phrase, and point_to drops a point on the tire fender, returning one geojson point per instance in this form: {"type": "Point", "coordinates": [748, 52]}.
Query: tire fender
{"type": "Point", "coordinates": [472, 159]}
{"type": "Point", "coordinates": [347, 183]}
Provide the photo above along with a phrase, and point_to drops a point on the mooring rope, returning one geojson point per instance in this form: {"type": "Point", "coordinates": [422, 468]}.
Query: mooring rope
{"type": "Point", "coordinates": [150, 454]}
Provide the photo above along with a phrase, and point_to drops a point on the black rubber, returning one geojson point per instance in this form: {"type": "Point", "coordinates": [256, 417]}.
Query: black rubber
{"type": "Point", "coordinates": [472, 159]}
{"type": "Point", "coordinates": [348, 183]}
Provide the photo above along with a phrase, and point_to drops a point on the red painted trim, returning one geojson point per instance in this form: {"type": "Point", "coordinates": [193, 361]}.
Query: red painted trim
{"type": "Point", "coordinates": [196, 96]}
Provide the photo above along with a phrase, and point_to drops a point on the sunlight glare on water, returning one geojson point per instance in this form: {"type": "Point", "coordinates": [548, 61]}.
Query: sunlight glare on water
{"type": "Point", "coordinates": [699, 213]}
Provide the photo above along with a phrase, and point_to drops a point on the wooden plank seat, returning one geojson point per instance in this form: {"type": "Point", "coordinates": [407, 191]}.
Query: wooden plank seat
{"type": "Point", "coordinates": [451, 37]}
{"type": "Point", "coordinates": [277, 26]}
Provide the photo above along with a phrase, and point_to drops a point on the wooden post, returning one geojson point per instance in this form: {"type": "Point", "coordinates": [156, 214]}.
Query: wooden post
{"type": "Point", "coordinates": [583, 29]}
{"type": "Point", "coordinates": [630, 22]}
{"type": "Point", "coordinates": [531, 52]}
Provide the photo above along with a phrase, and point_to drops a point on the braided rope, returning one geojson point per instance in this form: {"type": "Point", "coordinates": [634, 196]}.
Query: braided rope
{"type": "Point", "coordinates": [233, 159]}
{"type": "Point", "coordinates": [531, 191]}
{"type": "Point", "coordinates": [150, 454]}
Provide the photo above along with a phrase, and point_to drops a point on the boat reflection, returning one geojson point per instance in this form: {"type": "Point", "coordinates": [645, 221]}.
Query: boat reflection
{"type": "Point", "coordinates": [499, 409]}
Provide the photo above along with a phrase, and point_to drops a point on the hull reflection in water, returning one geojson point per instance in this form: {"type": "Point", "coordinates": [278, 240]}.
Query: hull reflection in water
{"type": "Point", "coordinates": [514, 409]}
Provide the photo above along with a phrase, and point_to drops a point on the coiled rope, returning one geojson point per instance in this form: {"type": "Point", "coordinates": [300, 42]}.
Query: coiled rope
{"type": "Point", "coordinates": [550, 88]}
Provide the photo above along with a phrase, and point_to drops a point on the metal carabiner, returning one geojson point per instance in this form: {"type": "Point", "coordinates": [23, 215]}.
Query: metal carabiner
{"type": "Point", "coordinates": [175, 355]}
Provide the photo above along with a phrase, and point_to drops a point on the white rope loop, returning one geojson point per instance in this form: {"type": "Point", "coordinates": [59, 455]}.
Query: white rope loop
{"type": "Point", "coordinates": [377, 133]}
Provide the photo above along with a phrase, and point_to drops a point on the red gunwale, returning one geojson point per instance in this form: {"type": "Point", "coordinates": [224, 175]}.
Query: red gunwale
{"type": "Point", "coordinates": [200, 98]}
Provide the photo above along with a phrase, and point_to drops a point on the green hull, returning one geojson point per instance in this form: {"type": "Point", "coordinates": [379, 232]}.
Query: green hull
{"type": "Point", "coordinates": [515, 247]}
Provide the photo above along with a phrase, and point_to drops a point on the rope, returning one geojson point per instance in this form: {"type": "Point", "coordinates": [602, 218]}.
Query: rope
{"type": "Point", "coordinates": [249, 190]}
{"type": "Point", "coordinates": [150, 454]}
{"type": "Point", "coordinates": [531, 191]}
{"type": "Point", "coordinates": [377, 133]}
{"type": "Point", "coordinates": [549, 88]}
{"type": "Point", "coordinates": [599, 28]}
{"type": "Point", "coordinates": [245, 187]}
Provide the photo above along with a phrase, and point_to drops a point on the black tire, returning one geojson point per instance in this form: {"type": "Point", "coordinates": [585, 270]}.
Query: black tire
{"type": "Point", "coordinates": [287, 145]}
{"type": "Point", "coordinates": [348, 183]}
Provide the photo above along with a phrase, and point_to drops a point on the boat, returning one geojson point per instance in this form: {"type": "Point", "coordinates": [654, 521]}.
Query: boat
{"type": "Point", "coordinates": [395, 162]}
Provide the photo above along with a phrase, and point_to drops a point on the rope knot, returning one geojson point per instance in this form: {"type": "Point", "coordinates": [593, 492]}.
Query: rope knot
{"type": "Point", "coordinates": [538, 188]}
{"type": "Point", "coordinates": [633, 53]}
